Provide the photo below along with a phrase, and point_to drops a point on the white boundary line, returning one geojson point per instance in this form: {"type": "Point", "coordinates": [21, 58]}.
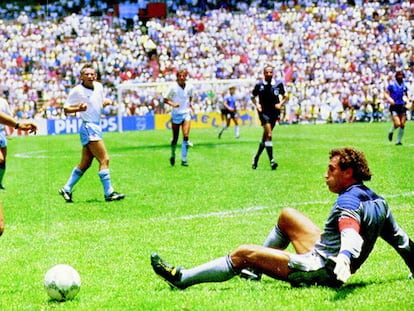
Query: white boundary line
{"type": "Point", "coordinates": [260, 208]}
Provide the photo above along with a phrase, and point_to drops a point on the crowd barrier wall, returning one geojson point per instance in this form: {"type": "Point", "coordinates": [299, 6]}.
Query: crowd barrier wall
{"type": "Point", "coordinates": [131, 123]}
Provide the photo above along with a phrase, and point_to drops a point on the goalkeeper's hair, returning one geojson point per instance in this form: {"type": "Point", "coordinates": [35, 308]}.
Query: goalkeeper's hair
{"type": "Point", "coordinates": [350, 157]}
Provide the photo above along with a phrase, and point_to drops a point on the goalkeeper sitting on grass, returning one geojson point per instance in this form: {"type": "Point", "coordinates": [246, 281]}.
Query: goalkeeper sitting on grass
{"type": "Point", "coordinates": [328, 257]}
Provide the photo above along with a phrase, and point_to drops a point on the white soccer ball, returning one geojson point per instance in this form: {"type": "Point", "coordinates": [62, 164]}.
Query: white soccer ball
{"type": "Point", "coordinates": [62, 282]}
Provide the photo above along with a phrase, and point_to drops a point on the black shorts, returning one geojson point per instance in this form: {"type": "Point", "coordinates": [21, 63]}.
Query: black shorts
{"type": "Point", "coordinates": [398, 109]}
{"type": "Point", "coordinates": [230, 114]}
{"type": "Point", "coordinates": [268, 118]}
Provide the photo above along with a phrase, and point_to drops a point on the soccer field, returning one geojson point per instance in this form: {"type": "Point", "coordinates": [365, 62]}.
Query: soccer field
{"type": "Point", "coordinates": [190, 215]}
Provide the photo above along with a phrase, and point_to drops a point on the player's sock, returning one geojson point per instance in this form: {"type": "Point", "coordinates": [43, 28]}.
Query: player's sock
{"type": "Point", "coordinates": [400, 135]}
{"type": "Point", "coordinates": [237, 131]}
{"type": "Point", "coordinates": [217, 270]}
{"type": "Point", "coordinates": [184, 149]}
{"type": "Point", "coordinates": [73, 179]}
{"type": "Point", "coordinates": [276, 239]}
{"type": "Point", "coordinates": [222, 130]}
{"type": "Point", "coordinates": [106, 181]}
{"type": "Point", "coordinates": [173, 148]}
{"type": "Point", "coordinates": [260, 149]}
{"type": "Point", "coordinates": [269, 149]}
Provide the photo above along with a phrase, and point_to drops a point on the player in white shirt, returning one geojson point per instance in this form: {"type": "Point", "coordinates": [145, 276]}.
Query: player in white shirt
{"type": "Point", "coordinates": [87, 99]}
{"type": "Point", "coordinates": [4, 108]}
{"type": "Point", "coordinates": [6, 119]}
{"type": "Point", "coordinates": [180, 96]}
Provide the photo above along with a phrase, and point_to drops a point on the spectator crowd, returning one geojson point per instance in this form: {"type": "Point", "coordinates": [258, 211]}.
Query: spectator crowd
{"type": "Point", "coordinates": [335, 59]}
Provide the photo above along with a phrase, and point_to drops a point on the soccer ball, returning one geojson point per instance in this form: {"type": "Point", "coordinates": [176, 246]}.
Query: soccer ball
{"type": "Point", "coordinates": [62, 282]}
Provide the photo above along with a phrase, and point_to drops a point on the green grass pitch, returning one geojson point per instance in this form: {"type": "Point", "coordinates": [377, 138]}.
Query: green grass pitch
{"type": "Point", "coordinates": [190, 215]}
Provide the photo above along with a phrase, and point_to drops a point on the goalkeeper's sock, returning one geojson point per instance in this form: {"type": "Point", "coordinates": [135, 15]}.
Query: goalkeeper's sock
{"type": "Point", "coordinates": [276, 239]}
{"type": "Point", "coordinates": [217, 270]}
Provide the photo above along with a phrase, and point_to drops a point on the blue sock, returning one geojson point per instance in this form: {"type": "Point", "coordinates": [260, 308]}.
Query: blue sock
{"type": "Point", "coordinates": [73, 179]}
{"type": "Point", "coordinates": [184, 150]}
{"type": "Point", "coordinates": [106, 181]}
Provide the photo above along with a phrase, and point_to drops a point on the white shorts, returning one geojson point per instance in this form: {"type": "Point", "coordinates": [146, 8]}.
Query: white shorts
{"type": "Point", "coordinates": [311, 261]}
{"type": "Point", "coordinates": [90, 132]}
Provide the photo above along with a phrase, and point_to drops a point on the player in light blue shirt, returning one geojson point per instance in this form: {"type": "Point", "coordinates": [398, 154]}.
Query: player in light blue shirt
{"type": "Point", "coordinates": [395, 93]}
{"type": "Point", "coordinates": [230, 112]}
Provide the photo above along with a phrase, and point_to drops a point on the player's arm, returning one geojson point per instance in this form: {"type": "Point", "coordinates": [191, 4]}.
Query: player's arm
{"type": "Point", "coordinates": [351, 245]}
{"type": "Point", "coordinates": [226, 105]}
{"type": "Point", "coordinates": [388, 97]}
{"type": "Point", "coordinates": [190, 100]}
{"type": "Point", "coordinates": [283, 94]}
{"type": "Point", "coordinates": [10, 121]}
{"type": "Point", "coordinates": [170, 103]}
{"type": "Point", "coordinates": [283, 101]}
{"type": "Point", "coordinates": [75, 108]}
{"type": "Point", "coordinates": [106, 102]}
{"type": "Point", "coordinates": [256, 103]}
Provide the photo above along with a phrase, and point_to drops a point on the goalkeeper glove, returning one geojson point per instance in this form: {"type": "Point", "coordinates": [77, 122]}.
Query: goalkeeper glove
{"type": "Point", "coordinates": [342, 268]}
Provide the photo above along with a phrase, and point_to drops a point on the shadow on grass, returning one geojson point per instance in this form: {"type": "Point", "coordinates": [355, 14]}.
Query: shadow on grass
{"type": "Point", "coordinates": [344, 291]}
{"type": "Point", "coordinates": [113, 149]}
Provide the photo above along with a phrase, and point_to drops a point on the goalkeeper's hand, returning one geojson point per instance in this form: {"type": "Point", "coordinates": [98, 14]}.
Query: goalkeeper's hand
{"type": "Point", "coordinates": [342, 268]}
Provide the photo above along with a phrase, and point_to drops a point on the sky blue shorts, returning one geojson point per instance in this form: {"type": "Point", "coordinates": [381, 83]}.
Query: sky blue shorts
{"type": "Point", "coordinates": [179, 118]}
{"type": "Point", "coordinates": [3, 139]}
{"type": "Point", "coordinates": [90, 132]}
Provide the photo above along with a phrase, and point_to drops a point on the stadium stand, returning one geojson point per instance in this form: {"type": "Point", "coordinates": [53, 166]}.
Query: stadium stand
{"type": "Point", "coordinates": [334, 56]}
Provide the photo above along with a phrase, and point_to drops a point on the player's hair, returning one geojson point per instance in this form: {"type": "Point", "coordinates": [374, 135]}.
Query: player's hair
{"type": "Point", "coordinates": [268, 66]}
{"type": "Point", "coordinates": [400, 73]}
{"type": "Point", "coordinates": [350, 157]}
{"type": "Point", "coordinates": [86, 66]}
{"type": "Point", "coordinates": [181, 71]}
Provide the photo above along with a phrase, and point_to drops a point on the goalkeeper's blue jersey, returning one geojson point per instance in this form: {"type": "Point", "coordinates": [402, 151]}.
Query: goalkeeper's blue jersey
{"type": "Point", "coordinates": [374, 217]}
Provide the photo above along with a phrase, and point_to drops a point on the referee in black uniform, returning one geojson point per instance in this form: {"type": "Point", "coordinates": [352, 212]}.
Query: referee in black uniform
{"type": "Point", "coordinates": [272, 97]}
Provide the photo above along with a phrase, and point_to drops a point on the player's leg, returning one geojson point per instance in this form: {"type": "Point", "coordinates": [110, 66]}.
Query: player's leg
{"type": "Point", "coordinates": [98, 150]}
{"type": "Point", "coordinates": [76, 174]}
{"type": "Point", "coordinates": [263, 120]}
{"type": "Point", "coordinates": [2, 220]}
{"type": "Point", "coordinates": [3, 156]}
{"type": "Point", "coordinates": [291, 227]}
{"type": "Point", "coordinates": [268, 129]}
{"type": "Point", "coordinates": [297, 229]}
{"type": "Point", "coordinates": [225, 123]}
{"type": "Point", "coordinates": [402, 119]}
{"type": "Point", "coordinates": [236, 126]}
{"type": "Point", "coordinates": [175, 133]}
{"type": "Point", "coordinates": [395, 124]}
{"type": "Point", "coordinates": [185, 127]}
{"type": "Point", "coordinates": [272, 262]}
